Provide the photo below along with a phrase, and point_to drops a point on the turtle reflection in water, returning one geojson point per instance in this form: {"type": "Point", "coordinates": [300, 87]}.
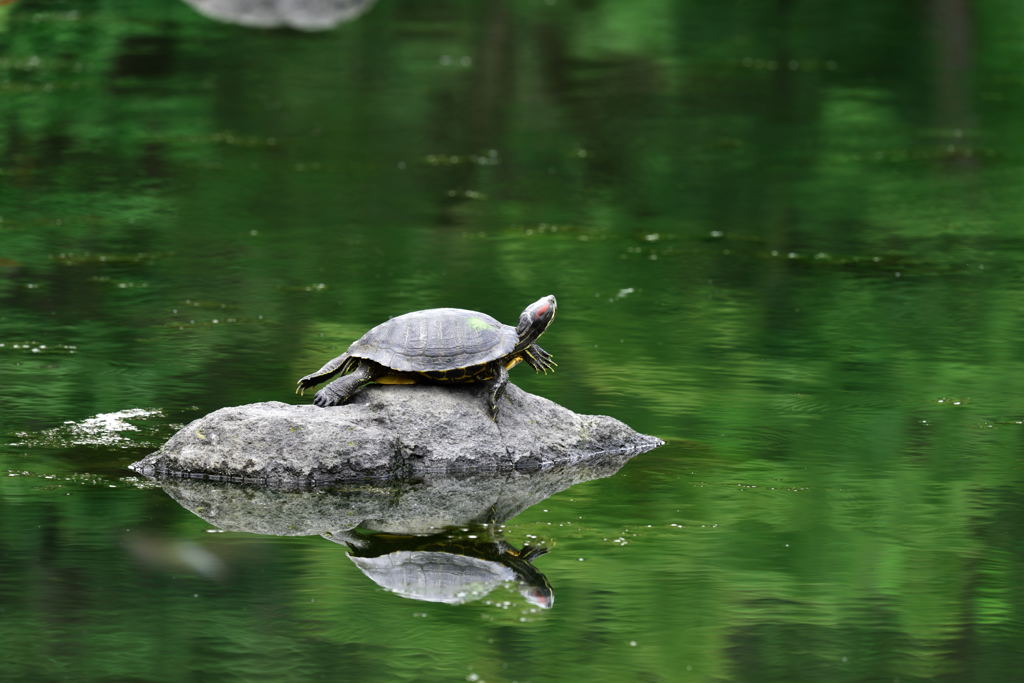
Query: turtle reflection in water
{"type": "Point", "coordinates": [438, 345]}
{"type": "Point", "coordinates": [447, 568]}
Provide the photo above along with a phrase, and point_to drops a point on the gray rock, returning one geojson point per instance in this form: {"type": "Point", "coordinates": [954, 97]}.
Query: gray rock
{"type": "Point", "coordinates": [389, 432]}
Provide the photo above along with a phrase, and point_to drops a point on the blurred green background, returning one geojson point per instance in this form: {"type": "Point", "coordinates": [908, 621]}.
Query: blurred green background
{"type": "Point", "coordinates": [787, 237]}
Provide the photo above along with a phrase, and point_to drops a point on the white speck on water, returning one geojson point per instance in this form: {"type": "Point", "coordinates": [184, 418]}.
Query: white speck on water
{"type": "Point", "coordinates": [113, 422]}
{"type": "Point", "coordinates": [719, 233]}
{"type": "Point", "coordinates": [624, 292]}
{"type": "Point", "coordinates": [652, 237]}
{"type": "Point", "coordinates": [632, 643]}
{"type": "Point", "coordinates": [104, 429]}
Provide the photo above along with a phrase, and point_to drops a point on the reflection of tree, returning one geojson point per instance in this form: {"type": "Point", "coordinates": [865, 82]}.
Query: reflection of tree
{"type": "Point", "coordinates": [953, 27]}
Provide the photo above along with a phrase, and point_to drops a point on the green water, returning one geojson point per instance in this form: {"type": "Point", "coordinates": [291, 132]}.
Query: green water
{"type": "Point", "coordinates": [788, 238]}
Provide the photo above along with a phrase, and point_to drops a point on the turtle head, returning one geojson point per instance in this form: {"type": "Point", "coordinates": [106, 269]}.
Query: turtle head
{"type": "Point", "coordinates": [535, 319]}
{"type": "Point", "coordinates": [541, 596]}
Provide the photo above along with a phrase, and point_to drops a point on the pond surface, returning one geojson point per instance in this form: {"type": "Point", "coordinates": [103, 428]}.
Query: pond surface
{"type": "Point", "coordinates": [786, 238]}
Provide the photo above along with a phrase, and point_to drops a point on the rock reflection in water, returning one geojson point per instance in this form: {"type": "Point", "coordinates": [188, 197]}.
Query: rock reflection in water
{"type": "Point", "coordinates": [409, 537]}
{"type": "Point", "coordinates": [304, 15]}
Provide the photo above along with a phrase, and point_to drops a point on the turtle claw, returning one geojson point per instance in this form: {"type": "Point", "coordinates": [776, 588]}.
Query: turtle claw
{"type": "Point", "coordinates": [327, 397]}
{"type": "Point", "coordinates": [303, 384]}
{"type": "Point", "coordinates": [539, 359]}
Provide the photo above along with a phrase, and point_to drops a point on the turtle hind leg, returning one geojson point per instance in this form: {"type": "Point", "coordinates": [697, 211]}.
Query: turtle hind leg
{"type": "Point", "coordinates": [341, 390]}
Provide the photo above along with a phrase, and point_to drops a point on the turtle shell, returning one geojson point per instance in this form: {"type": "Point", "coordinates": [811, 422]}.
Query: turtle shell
{"type": "Point", "coordinates": [436, 339]}
{"type": "Point", "coordinates": [434, 576]}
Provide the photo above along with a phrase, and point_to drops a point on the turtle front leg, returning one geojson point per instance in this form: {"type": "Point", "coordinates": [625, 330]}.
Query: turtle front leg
{"type": "Point", "coordinates": [341, 390]}
{"type": "Point", "coordinates": [496, 388]}
{"type": "Point", "coordinates": [539, 359]}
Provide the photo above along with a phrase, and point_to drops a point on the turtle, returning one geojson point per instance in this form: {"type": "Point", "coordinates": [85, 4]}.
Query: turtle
{"type": "Point", "coordinates": [438, 345]}
{"type": "Point", "coordinates": [449, 566]}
